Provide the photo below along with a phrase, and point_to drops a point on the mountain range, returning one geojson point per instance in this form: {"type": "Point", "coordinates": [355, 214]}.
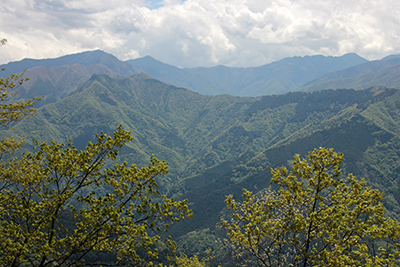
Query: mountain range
{"type": "Point", "coordinates": [307, 74]}
{"type": "Point", "coordinates": [275, 78]}
{"type": "Point", "coordinates": [383, 72]}
{"type": "Point", "coordinates": [218, 144]}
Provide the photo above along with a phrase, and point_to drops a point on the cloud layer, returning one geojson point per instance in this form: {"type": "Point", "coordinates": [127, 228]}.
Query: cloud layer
{"type": "Point", "coordinates": [200, 32]}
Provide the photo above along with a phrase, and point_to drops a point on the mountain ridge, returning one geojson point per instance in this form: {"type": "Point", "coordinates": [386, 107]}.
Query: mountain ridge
{"type": "Point", "coordinates": [55, 83]}
{"type": "Point", "coordinates": [306, 73]}
{"type": "Point", "coordinates": [361, 76]}
{"type": "Point", "coordinates": [277, 77]}
{"type": "Point", "coordinates": [84, 58]}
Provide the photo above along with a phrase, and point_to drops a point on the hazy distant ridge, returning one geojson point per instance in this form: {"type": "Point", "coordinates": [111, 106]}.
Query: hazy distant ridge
{"type": "Point", "coordinates": [85, 58]}
{"type": "Point", "coordinates": [385, 72]}
{"type": "Point", "coordinates": [309, 73]}
{"type": "Point", "coordinates": [278, 77]}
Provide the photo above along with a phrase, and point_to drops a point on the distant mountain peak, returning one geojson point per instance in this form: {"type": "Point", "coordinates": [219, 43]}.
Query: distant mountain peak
{"type": "Point", "coordinates": [148, 57]}
{"type": "Point", "coordinates": [86, 58]}
{"type": "Point", "coordinates": [391, 56]}
{"type": "Point", "coordinates": [148, 60]}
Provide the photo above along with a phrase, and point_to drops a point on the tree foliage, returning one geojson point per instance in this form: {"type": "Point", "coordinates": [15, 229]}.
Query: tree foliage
{"type": "Point", "coordinates": [194, 261]}
{"type": "Point", "coordinates": [11, 111]}
{"type": "Point", "coordinates": [54, 213]}
{"type": "Point", "coordinates": [317, 217]}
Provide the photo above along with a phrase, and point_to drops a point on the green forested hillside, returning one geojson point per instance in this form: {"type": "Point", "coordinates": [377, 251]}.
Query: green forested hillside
{"type": "Point", "coordinates": [55, 83]}
{"type": "Point", "coordinates": [361, 124]}
{"type": "Point", "coordinates": [56, 78]}
{"type": "Point", "coordinates": [218, 145]}
{"type": "Point", "coordinates": [192, 131]}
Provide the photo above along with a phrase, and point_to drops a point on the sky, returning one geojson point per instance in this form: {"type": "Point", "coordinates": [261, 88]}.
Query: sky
{"type": "Point", "coordinates": [192, 33]}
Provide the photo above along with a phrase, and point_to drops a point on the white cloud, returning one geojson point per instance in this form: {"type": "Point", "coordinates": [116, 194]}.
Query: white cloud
{"type": "Point", "coordinates": [200, 32]}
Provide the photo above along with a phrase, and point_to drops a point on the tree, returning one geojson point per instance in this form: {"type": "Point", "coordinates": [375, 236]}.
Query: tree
{"type": "Point", "coordinates": [11, 111]}
{"type": "Point", "coordinates": [194, 261]}
{"type": "Point", "coordinates": [59, 208]}
{"type": "Point", "coordinates": [317, 217]}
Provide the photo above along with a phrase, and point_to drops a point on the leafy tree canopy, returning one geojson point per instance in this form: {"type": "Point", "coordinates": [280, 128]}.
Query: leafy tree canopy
{"type": "Point", "coordinates": [317, 217]}
{"type": "Point", "coordinates": [11, 111]}
{"type": "Point", "coordinates": [54, 213]}
{"type": "Point", "coordinates": [194, 261]}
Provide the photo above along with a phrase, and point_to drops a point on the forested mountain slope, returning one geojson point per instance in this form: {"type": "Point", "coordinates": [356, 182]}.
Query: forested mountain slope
{"type": "Point", "coordinates": [58, 77]}
{"type": "Point", "coordinates": [217, 145]}
{"type": "Point", "coordinates": [55, 83]}
{"type": "Point", "coordinates": [364, 125]}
